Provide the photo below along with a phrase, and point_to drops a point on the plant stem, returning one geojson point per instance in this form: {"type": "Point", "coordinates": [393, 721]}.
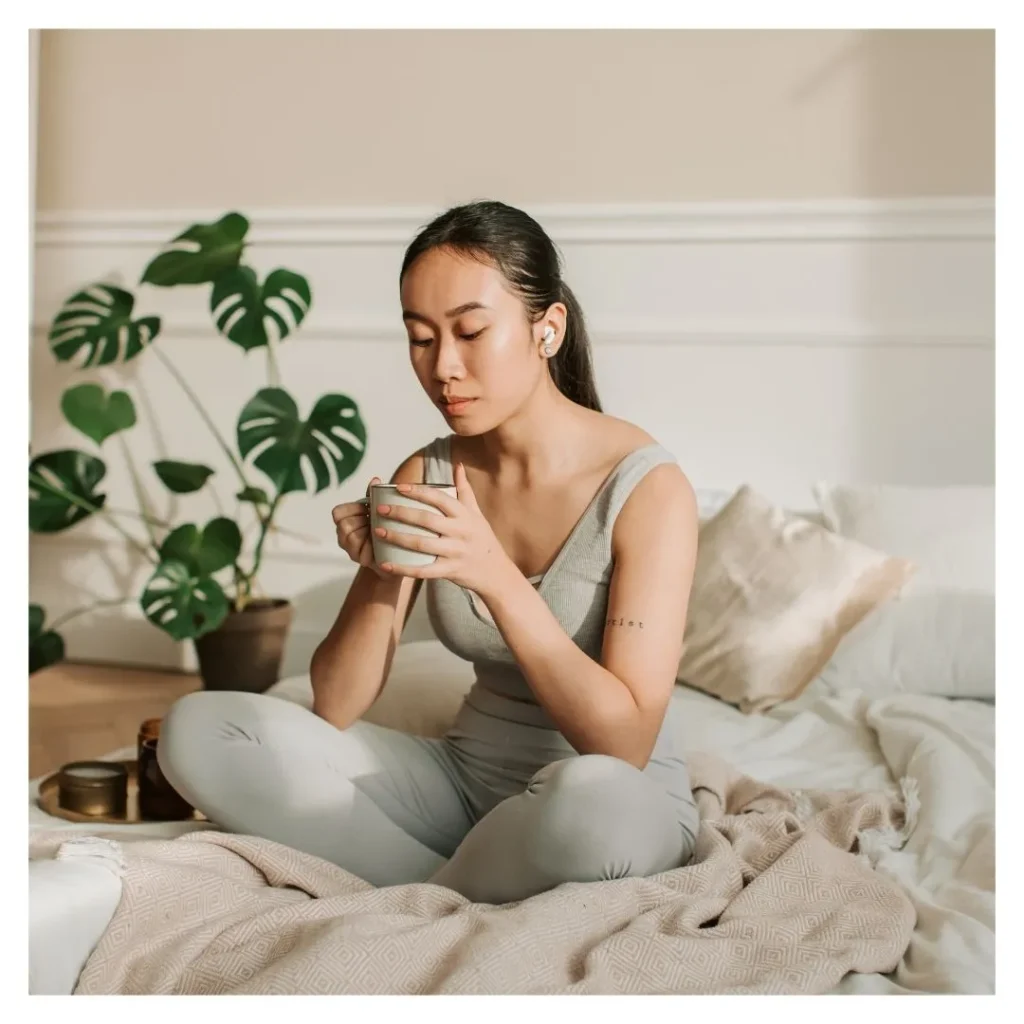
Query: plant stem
{"type": "Point", "coordinates": [140, 494]}
{"type": "Point", "coordinates": [216, 498]}
{"type": "Point", "coordinates": [138, 515]}
{"type": "Point", "coordinates": [265, 524]}
{"type": "Point", "coordinates": [92, 509]}
{"type": "Point", "coordinates": [68, 616]}
{"type": "Point", "coordinates": [273, 370]}
{"type": "Point", "coordinates": [194, 399]}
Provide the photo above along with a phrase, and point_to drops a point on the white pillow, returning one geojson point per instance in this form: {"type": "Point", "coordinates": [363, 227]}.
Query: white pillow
{"type": "Point", "coordinates": [940, 643]}
{"type": "Point", "coordinates": [424, 690]}
{"type": "Point", "coordinates": [938, 636]}
{"type": "Point", "coordinates": [947, 532]}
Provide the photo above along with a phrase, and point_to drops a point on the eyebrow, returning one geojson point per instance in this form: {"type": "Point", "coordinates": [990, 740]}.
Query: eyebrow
{"type": "Point", "coordinates": [466, 307]}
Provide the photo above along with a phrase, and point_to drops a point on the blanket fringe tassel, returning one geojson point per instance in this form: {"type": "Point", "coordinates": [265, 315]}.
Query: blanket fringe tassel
{"type": "Point", "coordinates": [93, 850]}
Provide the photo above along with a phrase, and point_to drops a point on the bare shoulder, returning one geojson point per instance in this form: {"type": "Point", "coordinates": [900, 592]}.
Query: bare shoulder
{"type": "Point", "coordinates": [661, 508]}
{"type": "Point", "coordinates": [412, 470]}
{"type": "Point", "coordinates": [618, 437]}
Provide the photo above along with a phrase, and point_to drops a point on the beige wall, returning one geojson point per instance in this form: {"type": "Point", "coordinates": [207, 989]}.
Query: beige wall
{"type": "Point", "coordinates": [157, 119]}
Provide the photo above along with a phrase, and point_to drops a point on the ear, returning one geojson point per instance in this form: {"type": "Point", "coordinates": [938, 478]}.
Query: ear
{"type": "Point", "coordinates": [551, 329]}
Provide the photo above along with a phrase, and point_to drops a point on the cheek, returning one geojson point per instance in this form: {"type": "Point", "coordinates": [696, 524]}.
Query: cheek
{"type": "Point", "coordinates": [504, 358]}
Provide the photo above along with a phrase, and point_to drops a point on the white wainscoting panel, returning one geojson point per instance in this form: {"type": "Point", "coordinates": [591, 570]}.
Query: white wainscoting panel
{"type": "Point", "coordinates": [774, 344]}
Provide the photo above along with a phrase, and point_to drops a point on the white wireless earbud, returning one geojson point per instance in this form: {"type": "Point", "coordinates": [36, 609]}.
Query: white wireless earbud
{"type": "Point", "coordinates": [549, 336]}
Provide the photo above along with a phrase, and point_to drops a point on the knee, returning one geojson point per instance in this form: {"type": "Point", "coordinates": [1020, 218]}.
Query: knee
{"type": "Point", "coordinates": [600, 817]}
{"type": "Point", "coordinates": [583, 777]}
{"type": "Point", "coordinates": [192, 731]}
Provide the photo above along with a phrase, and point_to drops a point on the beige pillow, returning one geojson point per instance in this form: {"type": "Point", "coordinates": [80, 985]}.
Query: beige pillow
{"type": "Point", "coordinates": [773, 594]}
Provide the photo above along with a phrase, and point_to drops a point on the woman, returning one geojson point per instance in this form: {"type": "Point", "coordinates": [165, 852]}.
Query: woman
{"type": "Point", "coordinates": [563, 572]}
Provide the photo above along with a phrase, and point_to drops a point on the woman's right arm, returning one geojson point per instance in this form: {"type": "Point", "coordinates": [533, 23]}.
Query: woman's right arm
{"type": "Point", "coordinates": [351, 664]}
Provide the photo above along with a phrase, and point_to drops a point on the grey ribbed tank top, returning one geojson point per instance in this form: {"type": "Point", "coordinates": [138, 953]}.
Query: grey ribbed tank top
{"type": "Point", "coordinates": [501, 735]}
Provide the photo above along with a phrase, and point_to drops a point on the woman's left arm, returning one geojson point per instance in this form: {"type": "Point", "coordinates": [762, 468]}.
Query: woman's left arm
{"type": "Point", "coordinates": [615, 706]}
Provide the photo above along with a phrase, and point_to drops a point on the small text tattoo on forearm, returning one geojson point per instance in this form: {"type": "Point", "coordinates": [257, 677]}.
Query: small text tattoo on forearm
{"type": "Point", "coordinates": [635, 624]}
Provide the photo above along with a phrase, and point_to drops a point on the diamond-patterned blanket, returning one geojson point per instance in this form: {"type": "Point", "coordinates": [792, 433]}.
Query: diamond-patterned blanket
{"type": "Point", "coordinates": [780, 897]}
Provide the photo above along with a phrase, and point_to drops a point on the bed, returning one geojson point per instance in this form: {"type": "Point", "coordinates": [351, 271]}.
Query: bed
{"type": "Point", "coordinates": [932, 754]}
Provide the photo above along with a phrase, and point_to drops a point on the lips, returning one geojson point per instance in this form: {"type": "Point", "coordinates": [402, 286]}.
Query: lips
{"type": "Point", "coordinates": [454, 405]}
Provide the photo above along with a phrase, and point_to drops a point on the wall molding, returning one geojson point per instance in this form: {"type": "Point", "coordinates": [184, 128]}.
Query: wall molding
{"type": "Point", "coordinates": [612, 223]}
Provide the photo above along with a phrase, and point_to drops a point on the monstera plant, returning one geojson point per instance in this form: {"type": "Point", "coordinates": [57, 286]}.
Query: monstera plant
{"type": "Point", "coordinates": [202, 584]}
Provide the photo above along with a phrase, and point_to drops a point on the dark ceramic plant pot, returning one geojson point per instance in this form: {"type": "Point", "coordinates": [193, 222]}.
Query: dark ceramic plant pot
{"type": "Point", "coordinates": [245, 652]}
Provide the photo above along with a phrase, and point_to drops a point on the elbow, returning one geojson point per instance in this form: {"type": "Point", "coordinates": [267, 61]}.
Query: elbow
{"type": "Point", "coordinates": [638, 756]}
{"type": "Point", "coordinates": [323, 706]}
{"type": "Point", "coordinates": [330, 712]}
{"type": "Point", "coordinates": [629, 739]}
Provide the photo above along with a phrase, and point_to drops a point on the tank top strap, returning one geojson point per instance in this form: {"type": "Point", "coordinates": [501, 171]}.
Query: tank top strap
{"type": "Point", "coordinates": [437, 462]}
{"type": "Point", "coordinates": [593, 533]}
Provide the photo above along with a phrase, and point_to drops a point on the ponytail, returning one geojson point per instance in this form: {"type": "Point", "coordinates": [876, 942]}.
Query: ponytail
{"type": "Point", "coordinates": [571, 367]}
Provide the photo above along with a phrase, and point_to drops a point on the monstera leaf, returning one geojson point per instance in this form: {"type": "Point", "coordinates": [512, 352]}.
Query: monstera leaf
{"type": "Point", "coordinates": [97, 415]}
{"type": "Point", "coordinates": [242, 306]}
{"type": "Point", "coordinates": [45, 647]}
{"type": "Point", "coordinates": [99, 321]}
{"type": "Point", "coordinates": [205, 551]}
{"type": "Point", "coordinates": [62, 489]}
{"type": "Point", "coordinates": [199, 254]}
{"type": "Point", "coordinates": [183, 603]}
{"type": "Point", "coordinates": [182, 477]}
{"type": "Point", "coordinates": [334, 435]}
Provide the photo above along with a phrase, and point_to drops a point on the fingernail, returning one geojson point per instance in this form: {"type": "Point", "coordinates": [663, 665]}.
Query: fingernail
{"type": "Point", "coordinates": [381, 532]}
{"type": "Point", "coordinates": [383, 509]}
{"type": "Point", "coordinates": [404, 488]}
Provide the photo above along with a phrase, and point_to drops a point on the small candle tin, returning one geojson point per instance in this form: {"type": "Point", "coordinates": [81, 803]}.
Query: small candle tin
{"type": "Point", "coordinates": [95, 788]}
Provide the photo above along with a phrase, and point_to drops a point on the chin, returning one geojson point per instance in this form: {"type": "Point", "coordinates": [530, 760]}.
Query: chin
{"type": "Point", "coordinates": [465, 427]}
{"type": "Point", "coordinates": [472, 425]}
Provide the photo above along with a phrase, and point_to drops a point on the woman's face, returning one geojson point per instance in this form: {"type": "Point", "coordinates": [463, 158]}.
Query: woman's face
{"type": "Point", "coordinates": [470, 342]}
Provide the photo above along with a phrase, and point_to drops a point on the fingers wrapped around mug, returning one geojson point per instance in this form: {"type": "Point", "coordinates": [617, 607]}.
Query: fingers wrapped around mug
{"type": "Point", "coordinates": [416, 517]}
{"type": "Point", "coordinates": [441, 548]}
{"type": "Point", "coordinates": [446, 503]}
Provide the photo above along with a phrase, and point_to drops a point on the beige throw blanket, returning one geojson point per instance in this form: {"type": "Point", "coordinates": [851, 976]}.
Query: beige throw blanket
{"type": "Point", "coordinates": [781, 897]}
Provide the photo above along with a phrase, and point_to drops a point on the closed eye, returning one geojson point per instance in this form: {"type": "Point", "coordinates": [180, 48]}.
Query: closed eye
{"type": "Point", "coordinates": [423, 342]}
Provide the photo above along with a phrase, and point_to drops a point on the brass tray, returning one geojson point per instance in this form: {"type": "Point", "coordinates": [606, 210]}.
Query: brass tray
{"type": "Point", "coordinates": [49, 796]}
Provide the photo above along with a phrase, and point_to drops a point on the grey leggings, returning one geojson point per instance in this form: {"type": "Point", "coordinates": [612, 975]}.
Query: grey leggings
{"type": "Point", "coordinates": [387, 806]}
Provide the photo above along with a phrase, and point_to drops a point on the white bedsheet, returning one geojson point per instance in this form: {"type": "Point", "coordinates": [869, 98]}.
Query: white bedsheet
{"type": "Point", "coordinates": [944, 749]}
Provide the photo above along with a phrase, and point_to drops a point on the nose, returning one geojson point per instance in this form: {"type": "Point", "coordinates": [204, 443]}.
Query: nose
{"type": "Point", "coordinates": [448, 365]}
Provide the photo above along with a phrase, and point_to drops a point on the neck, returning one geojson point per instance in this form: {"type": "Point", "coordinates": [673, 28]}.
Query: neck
{"type": "Point", "coordinates": [524, 443]}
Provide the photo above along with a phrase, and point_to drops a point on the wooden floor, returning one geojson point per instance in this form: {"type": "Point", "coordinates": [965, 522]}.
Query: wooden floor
{"type": "Point", "coordinates": [83, 711]}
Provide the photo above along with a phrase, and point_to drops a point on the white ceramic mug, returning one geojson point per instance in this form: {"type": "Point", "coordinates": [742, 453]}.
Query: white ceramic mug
{"type": "Point", "coordinates": [384, 550]}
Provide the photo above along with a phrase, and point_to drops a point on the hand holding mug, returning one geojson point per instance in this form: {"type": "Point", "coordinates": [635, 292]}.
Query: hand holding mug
{"type": "Point", "coordinates": [352, 525]}
{"type": "Point", "coordinates": [439, 535]}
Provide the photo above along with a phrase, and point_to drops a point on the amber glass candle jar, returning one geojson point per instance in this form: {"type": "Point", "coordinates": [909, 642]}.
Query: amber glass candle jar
{"type": "Point", "coordinates": [158, 799]}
